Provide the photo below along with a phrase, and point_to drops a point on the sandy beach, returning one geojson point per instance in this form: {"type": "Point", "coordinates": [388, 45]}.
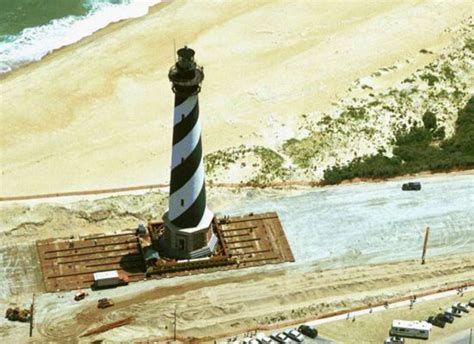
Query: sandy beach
{"type": "Point", "coordinates": [97, 114]}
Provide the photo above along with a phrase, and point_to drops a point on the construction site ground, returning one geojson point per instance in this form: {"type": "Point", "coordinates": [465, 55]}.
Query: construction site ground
{"type": "Point", "coordinates": [231, 302]}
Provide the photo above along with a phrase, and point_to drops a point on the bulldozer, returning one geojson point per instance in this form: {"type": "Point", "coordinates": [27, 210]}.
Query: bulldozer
{"type": "Point", "coordinates": [104, 303]}
{"type": "Point", "coordinates": [17, 314]}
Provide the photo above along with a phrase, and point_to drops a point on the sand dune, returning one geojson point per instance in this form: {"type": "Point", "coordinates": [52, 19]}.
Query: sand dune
{"type": "Point", "coordinates": [98, 114]}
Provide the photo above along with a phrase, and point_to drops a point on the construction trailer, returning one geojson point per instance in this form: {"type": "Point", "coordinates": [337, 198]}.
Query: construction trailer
{"type": "Point", "coordinates": [107, 279]}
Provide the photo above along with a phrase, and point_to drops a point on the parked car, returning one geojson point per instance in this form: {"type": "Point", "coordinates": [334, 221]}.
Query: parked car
{"type": "Point", "coordinates": [411, 186]}
{"type": "Point", "coordinates": [471, 303]}
{"type": "Point", "coordinates": [250, 341]}
{"type": "Point", "coordinates": [308, 331]}
{"type": "Point", "coordinates": [446, 317]}
{"type": "Point", "coordinates": [436, 321]}
{"type": "Point", "coordinates": [454, 312]}
{"type": "Point", "coordinates": [394, 340]}
{"type": "Point", "coordinates": [280, 338]}
{"type": "Point", "coordinates": [265, 340]}
{"type": "Point", "coordinates": [80, 295]}
{"type": "Point", "coordinates": [295, 335]}
{"type": "Point", "coordinates": [463, 307]}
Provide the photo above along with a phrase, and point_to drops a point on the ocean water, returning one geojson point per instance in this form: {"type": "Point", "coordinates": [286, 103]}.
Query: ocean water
{"type": "Point", "coordinates": [31, 29]}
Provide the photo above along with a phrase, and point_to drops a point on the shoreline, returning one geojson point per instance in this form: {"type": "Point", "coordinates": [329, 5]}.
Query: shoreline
{"type": "Point", "coordinates": [111, 27]}
{"type": "Point", "coordinates": [275, 185]}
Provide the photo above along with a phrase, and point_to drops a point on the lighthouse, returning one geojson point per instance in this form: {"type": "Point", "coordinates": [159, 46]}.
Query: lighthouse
{"type": "Point", "coordinates": [188, 222]}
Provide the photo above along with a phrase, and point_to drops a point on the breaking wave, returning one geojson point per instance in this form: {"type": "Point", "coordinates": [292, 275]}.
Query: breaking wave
{"type": "Point", "coordinates": [32, 44]}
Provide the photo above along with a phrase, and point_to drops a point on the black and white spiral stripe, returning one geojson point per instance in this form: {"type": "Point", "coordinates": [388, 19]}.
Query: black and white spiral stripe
{"type": "Point", "coordinates": [187, 203]}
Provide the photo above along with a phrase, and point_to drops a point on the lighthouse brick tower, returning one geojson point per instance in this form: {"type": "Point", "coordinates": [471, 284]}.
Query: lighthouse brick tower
{"type": "Point", "coordinates": [188, 221]}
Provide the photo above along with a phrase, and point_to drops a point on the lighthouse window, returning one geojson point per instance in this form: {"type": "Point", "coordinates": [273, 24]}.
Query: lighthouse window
{"type": "Point", "coordinates": [182, 202]}
{"type": "Point", "coordinates": [182, 116]}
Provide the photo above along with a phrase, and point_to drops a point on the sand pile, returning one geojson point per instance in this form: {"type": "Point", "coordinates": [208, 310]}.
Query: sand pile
{"type": "Point", "coordinates": [51, 220]}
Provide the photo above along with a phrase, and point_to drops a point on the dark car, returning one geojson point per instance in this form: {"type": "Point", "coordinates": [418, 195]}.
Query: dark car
{"type": "Point", "coordinates": [411, 186]}
{"type": "Point", "coordinates": [436, 321]}
{"type": "Point", "coordinates": [308, 331]}
{"type": "Point", "coordinates": [446, 317]}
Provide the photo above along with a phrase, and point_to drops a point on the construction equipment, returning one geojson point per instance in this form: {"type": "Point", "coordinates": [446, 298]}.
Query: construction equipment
{"type": "Point", "coordinates": [80, 295]}
{"type": "Point", "coordinates": [104, 303]}
{"type": "Point", "coordinates": [17, 314]}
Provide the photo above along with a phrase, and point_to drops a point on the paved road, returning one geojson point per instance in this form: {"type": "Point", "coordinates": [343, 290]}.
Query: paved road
{"type": "Point", "coordinates": [373, 222]}
{"type": "Point", "coordinates": [464, 337]}
{"type": "Point", "coordinates": [459, 338]}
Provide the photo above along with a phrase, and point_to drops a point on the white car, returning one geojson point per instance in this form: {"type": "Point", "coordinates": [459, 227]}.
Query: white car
{"type": "Point", "coordinates": [453, 311]}
{"type": "Point", "coordinates": [461, 306]}
{"type": "Point", "coordinates": [295, 335]}
{"type": "Point", "coordinates": [250, 341]}
{"type": "Point", "coordinates": [394, 340]}
{"type": "Point", "coordinates": [265, 340]}
{"type": "Point", "coordinates": [280, 338]}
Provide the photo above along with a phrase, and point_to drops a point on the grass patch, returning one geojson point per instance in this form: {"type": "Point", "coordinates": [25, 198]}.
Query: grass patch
{"type": "Point", "coordinates": [272, 167]}
{"type": "Point", "coordinates": [302, 151]}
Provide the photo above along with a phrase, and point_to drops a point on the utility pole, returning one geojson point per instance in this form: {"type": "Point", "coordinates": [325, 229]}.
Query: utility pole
{"type": "Point", "coordinates": [31, 315]}
{"type": "Point", "coordinates": [174, 336]}
{"type": "Point", "coordinates": [425, 245]}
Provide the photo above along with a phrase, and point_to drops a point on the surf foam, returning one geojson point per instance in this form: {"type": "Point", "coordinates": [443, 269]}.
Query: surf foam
{"type": "Point", "coordinates": [32, 44]}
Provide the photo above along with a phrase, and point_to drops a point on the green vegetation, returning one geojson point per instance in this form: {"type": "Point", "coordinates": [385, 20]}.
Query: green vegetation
{"type": "Point", "coordinates": [223, 158]}
{"type": "Point", "coordinates": [302, 151]}
{"type": "Point", "coordinates": [419, 149]}
{"type": "Point", "coordinates": [272, 167]}
{"type": "Point", "coordinates": [469, 44]}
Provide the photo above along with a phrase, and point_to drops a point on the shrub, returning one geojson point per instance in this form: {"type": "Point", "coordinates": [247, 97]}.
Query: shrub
{"type": "Point", "coordinates": [429, 120]}
{"type": "Point", "coordinates": [414, 151]}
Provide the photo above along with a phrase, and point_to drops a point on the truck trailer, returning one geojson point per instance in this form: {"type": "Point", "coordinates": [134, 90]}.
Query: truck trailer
{"type": "Point", "coordinates": [109, 279]}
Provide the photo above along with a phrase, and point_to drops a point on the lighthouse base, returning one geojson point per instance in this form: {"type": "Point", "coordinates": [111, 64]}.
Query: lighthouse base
{"type": "Point", "coordinates": [188, 243]}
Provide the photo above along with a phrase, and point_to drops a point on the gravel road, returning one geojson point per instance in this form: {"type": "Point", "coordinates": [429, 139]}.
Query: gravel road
{"type": "Point", "coordinates": [374, 222]}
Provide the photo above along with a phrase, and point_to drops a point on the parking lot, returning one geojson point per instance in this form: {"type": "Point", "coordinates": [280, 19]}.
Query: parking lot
{"type": "Point", "coordinates": [372, 325]}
